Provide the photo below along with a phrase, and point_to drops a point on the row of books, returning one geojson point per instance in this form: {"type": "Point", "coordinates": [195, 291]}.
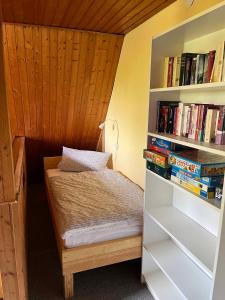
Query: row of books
{"type": "Point", "coordinates": [201, 122]}
{"type": "Point", "coordinates": [195, 68]}
{"type": "Point", "coordinates": [199, 172]}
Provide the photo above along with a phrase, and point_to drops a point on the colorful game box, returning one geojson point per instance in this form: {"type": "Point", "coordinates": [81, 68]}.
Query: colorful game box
{"type": "Point", "coordinates": [157, 158]}
{"type": "Point", "coordinates": [196, 190]}
{"type": "Point", "coordinates": [198, 163]}
{"type": "Point", "coordinates": [163, 172]}
{"type": "Point", "coordinates": [166, 144]}
{"type": "Point", "coordinates": [191, 181]}
{"type": "Point", "coordinates": [204, 181]}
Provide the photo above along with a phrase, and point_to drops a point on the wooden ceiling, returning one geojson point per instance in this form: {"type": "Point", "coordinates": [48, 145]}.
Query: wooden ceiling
{"type": "Point", "coordinates": [108, 16]}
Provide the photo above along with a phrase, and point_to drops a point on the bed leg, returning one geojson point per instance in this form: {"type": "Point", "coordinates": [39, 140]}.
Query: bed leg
{"type": "Point", "coordinates": [68, 285]}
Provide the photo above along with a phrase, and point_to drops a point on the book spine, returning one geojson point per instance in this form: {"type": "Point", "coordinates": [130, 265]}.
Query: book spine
{"type": "Point", "coordinates": [193, 121]}
{"type": "Point", "coordinates": [219, 131]}
{"type": "Point", "coordinates": [187, 70]}
{"type": "Point", "coordinates": [182, 69]}
{"type": "Point", "coordinates": [175, 120]}
{"type": "Point", "coordinates": [170, 72]}
{"type": "Point", "coordinates": [185, 121]}
{"type": "Point", "coordinates": [218, 63]}
{"type": "Point", "coordinates": [211, 59]}
{"type": "Point", "coordinates": [175, 61]}
{"type": "Point", "coordinates": [205, 75]}
{"type": "Point", "coordinates": [200, 70]}
{"type": "Point", "coordinates": [196, 68]}
{"type": "Point", "coordinates": [180, 115]}
{"type": "Point", "coordinates": [165, 74]}
{"type": "Point", "coordinates": [193, 70]}
{"type": "Point", "coordinates": [178, 71]}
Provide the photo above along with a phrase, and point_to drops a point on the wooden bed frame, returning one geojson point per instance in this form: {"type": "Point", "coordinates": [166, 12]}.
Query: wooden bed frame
{"type": "Point", "coordinates": [92, 256]}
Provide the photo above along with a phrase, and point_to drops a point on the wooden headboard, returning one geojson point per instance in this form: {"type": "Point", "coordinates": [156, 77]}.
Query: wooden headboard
{"type": "Point", "coordinates": [52, 162]}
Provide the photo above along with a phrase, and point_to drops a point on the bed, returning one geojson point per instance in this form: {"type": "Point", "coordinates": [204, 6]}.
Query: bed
{"type": "Point", "coordinates": [97, 218]}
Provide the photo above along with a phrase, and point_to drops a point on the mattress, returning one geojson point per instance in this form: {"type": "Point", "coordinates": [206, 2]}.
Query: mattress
{"type": "Point", "coordinates": [95, 206]}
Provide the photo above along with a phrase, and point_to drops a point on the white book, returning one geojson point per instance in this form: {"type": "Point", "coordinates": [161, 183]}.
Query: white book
{"type": "Point", "coordinates": [180, 115]}
{"type": "Point", "coordinates": [193, 121]}
{"type": "Point", "coordinates": [210, 125]}
{"type": "Point", "coordinates": [185, 120]}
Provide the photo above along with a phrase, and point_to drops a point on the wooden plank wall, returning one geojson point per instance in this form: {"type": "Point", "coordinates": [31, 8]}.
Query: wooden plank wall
{"type": "Point", "coordinates": [59, 86]}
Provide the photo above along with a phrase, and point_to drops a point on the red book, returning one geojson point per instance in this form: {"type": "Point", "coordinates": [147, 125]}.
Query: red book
{"type": "Point", "coordinates": [170, 72]}
{"type": "Point", "coordinates": [175, 121]}
{"type": "Point", "coordinates": [211, 59]}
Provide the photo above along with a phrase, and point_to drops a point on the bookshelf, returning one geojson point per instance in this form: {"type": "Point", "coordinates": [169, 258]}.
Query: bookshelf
{"type": "Point", "coordinates": [184, 235]}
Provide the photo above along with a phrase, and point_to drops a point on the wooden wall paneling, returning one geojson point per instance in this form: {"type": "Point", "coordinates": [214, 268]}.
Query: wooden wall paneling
{"type": "Point", "coordinates": [1, 291]}
{"type": "Point", "coordinates": [14, 72]}
{"type": "Point", "coordinates": [71, 130]}
{"type": "Point", "coordinates": [6, 158]}
{"type": "Point", "coordinates": [111, 16]}
{"type": "Point", "coordinates": [63, 77]}
{"type": "Point", "coordinates": [7, 258]}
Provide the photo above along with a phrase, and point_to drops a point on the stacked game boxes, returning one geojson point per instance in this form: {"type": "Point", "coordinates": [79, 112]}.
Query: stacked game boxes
{"type": "Point", "coordinates": [200, 172]}
{"type": "Point", "coordinates": [157, 156]}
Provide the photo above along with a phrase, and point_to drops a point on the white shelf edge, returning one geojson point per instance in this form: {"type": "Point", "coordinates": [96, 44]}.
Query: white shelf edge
{"type": "Point", "coordinates": [184, 248]}
{"type": "Point", "coordinates": [203, 278]}
{"type": "Point", "coordinates": [161, 288]}
{"type": "Point", "coordinates": [208, 147]}
{"type": "Point", "coordinates": [215, 205]}
{"type": "Point", "coordinates": [191, 88]}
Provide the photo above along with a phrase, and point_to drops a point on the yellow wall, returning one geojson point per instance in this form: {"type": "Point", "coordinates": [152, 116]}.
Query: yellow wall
{"type": "Point", "coordinates": [129, 102]}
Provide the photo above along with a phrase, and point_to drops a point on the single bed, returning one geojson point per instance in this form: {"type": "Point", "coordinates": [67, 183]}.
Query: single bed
{"type": "Point", "coordinates": [97, 217]}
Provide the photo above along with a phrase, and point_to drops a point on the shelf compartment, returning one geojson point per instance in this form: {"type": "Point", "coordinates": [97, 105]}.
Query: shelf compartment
{"type": "Point", "coordinates": [209, 147]}
{"type": "Point", "coordinates": [193, 88]}
{"type": "Point", "coordinates": [196, 242]}
{"type": "Point", "coordinates": [191, 281]}
{"type": "Point", "coordinates": [213, 203]}
{"type": "Point", "coordinates": [161, 288]}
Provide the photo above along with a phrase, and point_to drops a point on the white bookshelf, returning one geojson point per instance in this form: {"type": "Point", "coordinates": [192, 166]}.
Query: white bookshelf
{"type": "Point", "coordinates": [184, 235]}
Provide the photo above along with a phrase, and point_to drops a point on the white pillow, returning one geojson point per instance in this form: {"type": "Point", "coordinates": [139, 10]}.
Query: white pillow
{"type": "Point", "coordinates": [74, 160]}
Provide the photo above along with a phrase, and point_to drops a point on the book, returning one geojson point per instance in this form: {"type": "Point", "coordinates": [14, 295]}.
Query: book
{"type": "Point", "coordinates": [180, 116]}
{"type": "Point", "coordinates": [188, 64]}
{"type": "Point", "coordinates": [193, 121]}
{"type": "Point", "coordinates": [200, 68]}
{"type": "Point", "coordinates": [219, 138]}
{"type": "Point", "coordinates": [193, 70]}
{"type": "Point", "coordinates": [186, 121]}
{"type": "Point", "coordinates": [165, 74]}
{"type": "Point", "coordinates": [185, 68]}
{"type": "Point", "coordinates": [198, 163]}
{"type": "Point", "coordinates": [170, 72]}
{"type": "Point", "coordinates": [218, 63]}
{"type": "Point", "coordinates": [211, 59]}
{"type": "Point", "coordinates": [165, 116]}
{"type": "Point", "coordinates": [210, 126]}
{"type": "Point", "coordinates": [156, 158]}
{"type": "Point", "coordinates": [176, 70]}
{"type": "Point", "coordinates": [205, 72]}
{"type": "Point", "coordinates": [163, 172]}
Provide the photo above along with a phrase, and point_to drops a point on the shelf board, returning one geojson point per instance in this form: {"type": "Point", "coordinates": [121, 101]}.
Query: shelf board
{"type": "Point", "coordinates": [193, 88]}
{"type": "Point", "coordinates": [192, 282]}
{"type": "Point", "coordinates": [197, 242]}
{"type": "Point", "coordinates": [209, 147]}
{"type": "Point", "coordinates": [213, 203]}
{"type": "Point", "coordinates": [161, 288]}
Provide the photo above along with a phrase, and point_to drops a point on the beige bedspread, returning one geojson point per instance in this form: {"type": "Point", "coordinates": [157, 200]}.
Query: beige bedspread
{"type": "Point", "coordinates": [95, 206]}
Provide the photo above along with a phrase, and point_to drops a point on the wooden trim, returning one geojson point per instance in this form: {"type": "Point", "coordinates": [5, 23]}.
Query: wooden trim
{"type": "Point", "coordinates": [87, 257]}
{"type": "Point", "coordinates": [13, 238]}
{"type": "Point", "coordinates": [7, 186]}
{"type": "Point", "coordinates": [1, 291]}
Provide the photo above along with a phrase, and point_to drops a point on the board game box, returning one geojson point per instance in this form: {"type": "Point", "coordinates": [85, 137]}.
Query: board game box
{"type": "Point", "coordinates": [204, 181]}
{"type": "Point", "coordinates": [196, 190]}
{"type": "Point", "coordinates": [163, 172]}
{"type": "Point", "coordinates": [166, 144]}
{"type": "Point", "coordinates": [198, 163]}
{"type": "Point", "coordinates": [191, 181]}
{"type": "Point", "coordinates": [157, 158]}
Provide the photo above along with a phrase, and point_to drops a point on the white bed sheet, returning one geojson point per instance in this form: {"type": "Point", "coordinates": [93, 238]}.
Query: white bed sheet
{"type": "Point", "coordinates": [92, 207]}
